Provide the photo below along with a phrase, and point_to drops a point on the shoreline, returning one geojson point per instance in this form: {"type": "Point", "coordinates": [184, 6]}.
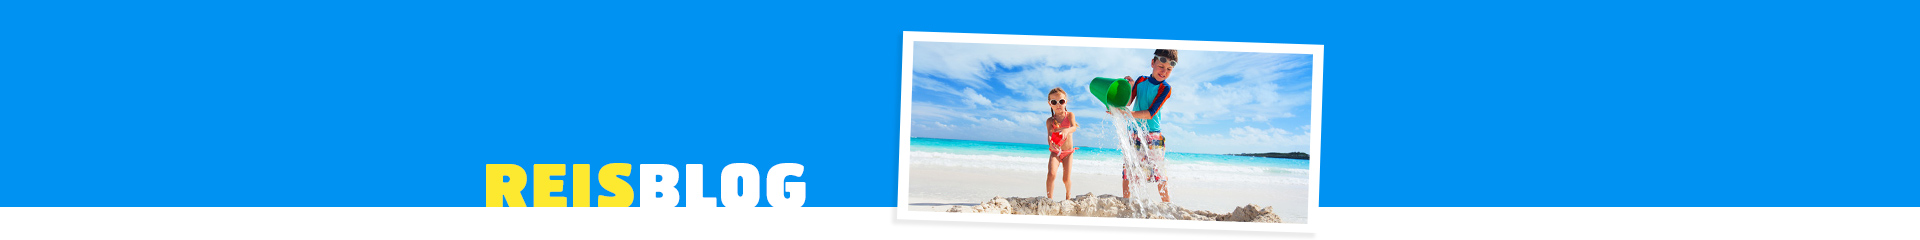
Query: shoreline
{"type": "Point", "coordinates": [1296, 155]}
{"type": "Point", "coordinates": [1088, 205]}
{"type": "Point", "coordinates": [939, 188]}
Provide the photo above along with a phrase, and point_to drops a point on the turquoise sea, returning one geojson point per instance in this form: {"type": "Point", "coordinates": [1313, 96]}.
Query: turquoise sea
{"type": "Point", "coordinates": [1033, 157]}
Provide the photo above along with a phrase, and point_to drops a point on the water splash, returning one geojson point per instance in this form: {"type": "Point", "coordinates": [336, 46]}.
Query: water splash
{"type": "Point", "coordinates": [1134, 159]}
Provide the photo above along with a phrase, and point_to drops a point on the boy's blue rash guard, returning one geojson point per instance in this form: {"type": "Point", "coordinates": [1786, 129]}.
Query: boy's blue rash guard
{"type": "Point", "coordinates": [1146, 87]}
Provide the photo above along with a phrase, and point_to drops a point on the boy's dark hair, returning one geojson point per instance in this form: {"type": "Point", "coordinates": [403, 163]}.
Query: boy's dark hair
{"type": "Point", "coordinates": [1167, 53]}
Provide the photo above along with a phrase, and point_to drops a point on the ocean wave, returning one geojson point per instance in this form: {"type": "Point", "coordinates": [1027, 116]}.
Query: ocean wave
{"type": "Point", "coordinates": [1196, 171]}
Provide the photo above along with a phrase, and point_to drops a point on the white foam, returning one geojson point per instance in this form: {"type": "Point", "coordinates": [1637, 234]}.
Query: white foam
{"type": "Point", "coordinates": [1110, 166]}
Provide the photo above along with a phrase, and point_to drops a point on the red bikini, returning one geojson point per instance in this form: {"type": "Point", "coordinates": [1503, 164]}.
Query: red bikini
{"type": "Point", "coordinates": [1055, 137]}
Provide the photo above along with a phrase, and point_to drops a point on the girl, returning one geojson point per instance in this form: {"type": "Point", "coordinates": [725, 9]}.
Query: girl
{"type": "Point", "coordinates": [1060, 129]}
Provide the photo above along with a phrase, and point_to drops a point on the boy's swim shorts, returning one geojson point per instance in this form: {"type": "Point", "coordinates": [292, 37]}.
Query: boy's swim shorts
{"type": "Point", "coordinates": [1155, 151]}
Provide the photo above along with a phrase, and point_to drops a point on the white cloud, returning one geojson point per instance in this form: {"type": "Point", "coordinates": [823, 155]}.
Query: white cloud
{"type": "Point", "coordinates": [1244, 139]}
{"type": "Point", "coordinates": [925, 111]}
{"type": "Point", "coordinates": [1046, 67]}
{"type": "Point", "coordinates": [974, 98]}
{"type": "Point", "coordinates": [999, 94]}
{"type": "Point", "coordinates": [1239, 86]}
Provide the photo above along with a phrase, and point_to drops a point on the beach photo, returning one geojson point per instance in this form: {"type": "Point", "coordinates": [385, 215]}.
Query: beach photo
{"type": "Point", "coordinates": [1148, 130]}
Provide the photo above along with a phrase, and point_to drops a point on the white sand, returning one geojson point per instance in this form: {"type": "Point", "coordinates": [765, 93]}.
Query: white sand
{"type": "Point", "coordinates": [938, 188]}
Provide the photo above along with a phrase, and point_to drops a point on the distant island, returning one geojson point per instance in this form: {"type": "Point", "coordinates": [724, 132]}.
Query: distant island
{"type": "Point", "coordinates": [1291, 155]}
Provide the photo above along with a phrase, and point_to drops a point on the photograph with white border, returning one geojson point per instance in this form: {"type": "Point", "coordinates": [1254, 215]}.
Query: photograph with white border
{"type": "Point", "coordinates": [1109, 132]}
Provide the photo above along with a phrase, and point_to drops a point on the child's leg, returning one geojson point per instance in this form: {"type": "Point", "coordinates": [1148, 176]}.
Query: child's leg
{"type": "Point", "coordinates": [1126, 188]}
{"type": "Point", "coordinates": [1163, 192]}
{"type": "Point", "coordinates": [1159, 156]}
{"type": "Point", "coordinates": [1066, 174]}
{"type": "Point", "coordinates": [1052, 163]}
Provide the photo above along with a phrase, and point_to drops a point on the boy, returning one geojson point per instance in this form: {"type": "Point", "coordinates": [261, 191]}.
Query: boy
{"type": "Point", "coordinates": [1149, 93]}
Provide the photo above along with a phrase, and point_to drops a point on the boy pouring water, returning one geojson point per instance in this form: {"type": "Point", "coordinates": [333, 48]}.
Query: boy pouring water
{"type": "Point", "coordinates": [1149, 94]}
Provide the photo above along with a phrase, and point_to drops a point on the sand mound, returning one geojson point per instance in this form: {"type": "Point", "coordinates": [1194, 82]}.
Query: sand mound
{"type": "Point", "coordinates": [1107, 205]}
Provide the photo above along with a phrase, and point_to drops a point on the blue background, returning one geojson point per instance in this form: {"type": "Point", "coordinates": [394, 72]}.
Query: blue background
{"type": "Point", "coordinates": [327, 103]}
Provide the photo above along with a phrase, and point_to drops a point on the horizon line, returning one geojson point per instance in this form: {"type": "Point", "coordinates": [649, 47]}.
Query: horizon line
{"type": "Point", "coordinates": [1227, 154]}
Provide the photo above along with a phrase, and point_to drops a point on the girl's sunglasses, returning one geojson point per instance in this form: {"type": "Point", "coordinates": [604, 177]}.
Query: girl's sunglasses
{"type": "Point", "coordinates": [1166, 60]}
{"type": "Point", "coordinates": [1057, 102]}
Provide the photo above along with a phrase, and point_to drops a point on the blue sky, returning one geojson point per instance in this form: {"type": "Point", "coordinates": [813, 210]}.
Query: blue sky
{"type": "Point", "coordinates": [1222, 102]}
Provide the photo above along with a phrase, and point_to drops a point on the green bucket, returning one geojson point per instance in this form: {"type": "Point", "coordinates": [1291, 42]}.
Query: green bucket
{"type": "Point", "coordinates": [1112, 91]}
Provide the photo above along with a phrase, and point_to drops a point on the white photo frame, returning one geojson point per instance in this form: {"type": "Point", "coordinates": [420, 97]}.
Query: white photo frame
{"type": "Point", "coordinates": [906, 111]}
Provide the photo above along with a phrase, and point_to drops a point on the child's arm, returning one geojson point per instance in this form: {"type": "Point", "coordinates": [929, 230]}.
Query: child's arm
{"type": "Point", "coordinates": [1048, 124]}
{"type": "Point", "coordinates": [1154, 108]}
{"type": "Point", "coordinates": [1143, 115]}
{"type": "Point", "coordinates": [1050, 145]}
